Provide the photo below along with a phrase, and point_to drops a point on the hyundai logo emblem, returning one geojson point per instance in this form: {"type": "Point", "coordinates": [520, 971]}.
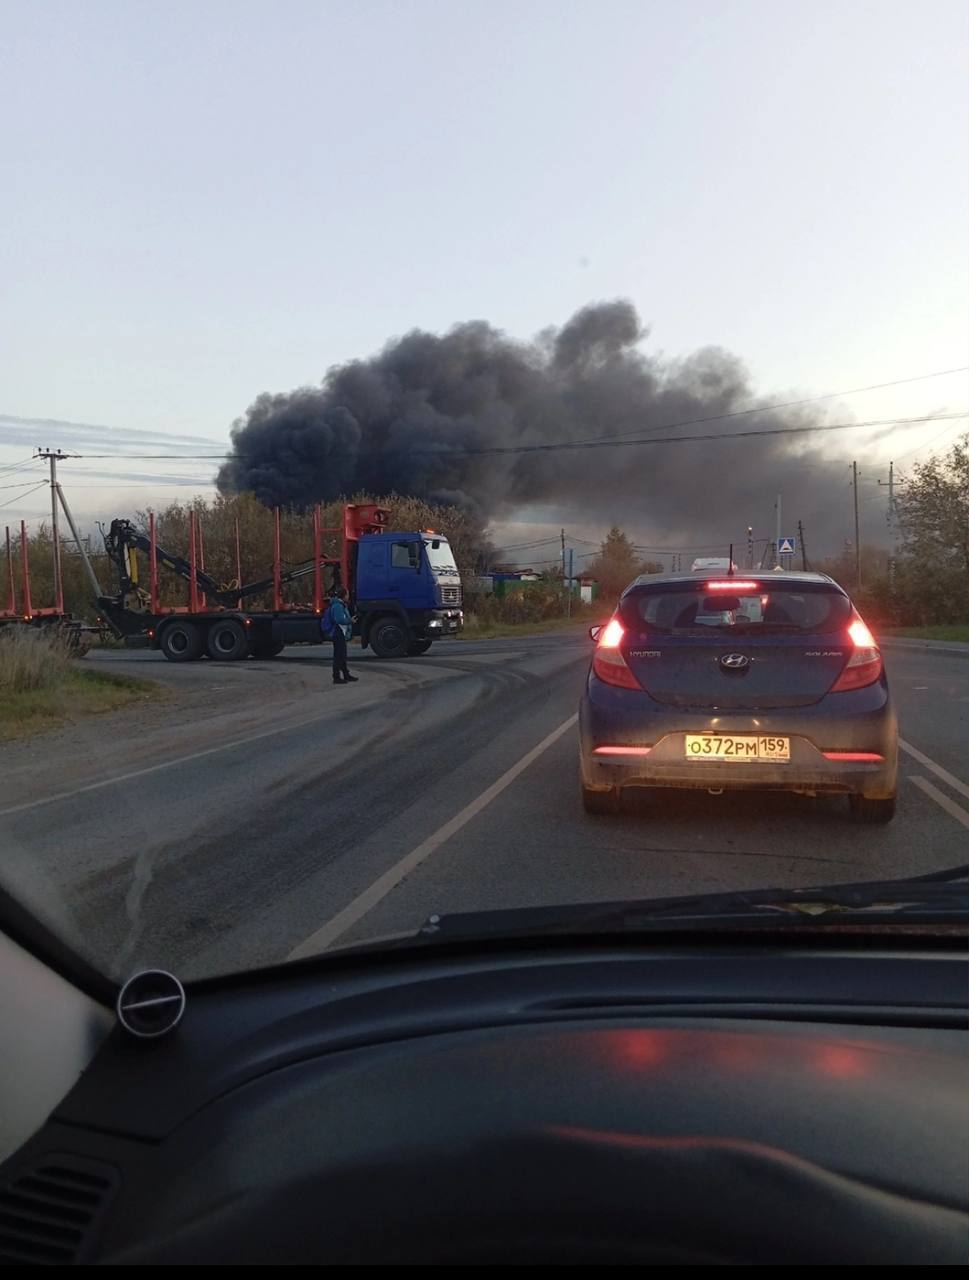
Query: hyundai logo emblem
{"type": "Point", "coordinates": [734, 662]}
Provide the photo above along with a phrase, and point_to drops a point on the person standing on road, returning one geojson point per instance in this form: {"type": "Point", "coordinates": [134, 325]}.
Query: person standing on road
{"type": "Point", "coordinates": [341, 629]}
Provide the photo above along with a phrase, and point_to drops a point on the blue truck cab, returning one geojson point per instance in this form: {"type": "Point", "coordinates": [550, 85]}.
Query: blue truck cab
{"type": "Point", "coordinates": [407, 592]}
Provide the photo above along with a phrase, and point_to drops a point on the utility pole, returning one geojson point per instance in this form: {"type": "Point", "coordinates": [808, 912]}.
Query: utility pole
{"type": "Point", "coordinates": [563, 562]}
{"type": "Point", "coordinates": [777, 543]}
{"type": "Point", "coordinates": [53, 456]}
{"type": "Point", "coordinates": [571, 578]}
{"type": "Point", "coordinates": [800, 538]}
{"type": "Point", "coordinates": [891, 518]}
{"type": "Point", "coordinates": [750, 548]}
{"type": "Point", "coordinates": [891, 533]}
{"type": "Point", "coordinates": [854, 483]}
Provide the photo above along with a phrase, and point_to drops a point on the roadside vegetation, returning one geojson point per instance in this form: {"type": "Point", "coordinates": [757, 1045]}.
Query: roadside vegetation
{"type": "Point", "coordinates": [927, 587]}
{"type": "Point", "coordinates": [958, 631]}
{"type": "Point", "coordinates": [528, 608]}
{"type": "Point", "coordinates": [43, 686]}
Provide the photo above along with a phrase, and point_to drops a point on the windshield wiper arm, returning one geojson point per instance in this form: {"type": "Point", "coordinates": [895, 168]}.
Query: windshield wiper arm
{"type": "Point", "coordinates": [905, 901]}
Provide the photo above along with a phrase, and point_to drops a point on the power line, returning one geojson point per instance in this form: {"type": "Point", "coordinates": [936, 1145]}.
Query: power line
{"type": "Point", "coordinates": [25, 494]}
{"type": "Point", "coordinates": [602, 443]}
{"type": "Point", "coordinates": [10, 467]}
{"type": "Point", "coordinates": [927, 445]}
{"type": "Point", "coordinates": [669, 426]}
{"type": "Point", "coordinates": [715, 435]}
{"type": "Point", "coordinates": [790, 404]}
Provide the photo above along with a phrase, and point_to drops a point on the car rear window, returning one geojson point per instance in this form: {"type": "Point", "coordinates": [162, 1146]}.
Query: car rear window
{"type": "Point", "coordinates": [697, 608]}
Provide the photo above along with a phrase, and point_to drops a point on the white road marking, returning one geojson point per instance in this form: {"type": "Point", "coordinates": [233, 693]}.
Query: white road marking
{"type": "Point", "coordinates": [942, 800]}
{"type": "Point", "coordinates": [156, 768]}
{"type": "Point", "coordinates": [366, 901]}
{"type": "Point", "coordinates": [955, 783]}
{"type": "Point", "coordinates": [921, 688]}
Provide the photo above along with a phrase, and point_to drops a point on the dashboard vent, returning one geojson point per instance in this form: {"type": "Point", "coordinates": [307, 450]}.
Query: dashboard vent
{"type": "Point", "coordinates": [151, 1004]}
{"type": "Point", "coordinates": [48, 1213]}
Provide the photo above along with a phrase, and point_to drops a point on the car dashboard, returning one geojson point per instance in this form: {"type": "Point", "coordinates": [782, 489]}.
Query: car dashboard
{"type": "Point", "coordinates": [576, 1102]}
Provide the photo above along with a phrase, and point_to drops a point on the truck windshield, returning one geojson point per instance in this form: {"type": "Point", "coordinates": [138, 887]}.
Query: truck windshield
{"type": "Point", "coordinates": [440, 557]}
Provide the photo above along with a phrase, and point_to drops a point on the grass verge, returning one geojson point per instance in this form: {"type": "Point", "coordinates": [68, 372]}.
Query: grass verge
{"type": "Point", "coordinates": [495, 630]}
{"type": "Point", "coordinates": [77, 693]}
{"type": "Point", "coordinates": [944, 631]}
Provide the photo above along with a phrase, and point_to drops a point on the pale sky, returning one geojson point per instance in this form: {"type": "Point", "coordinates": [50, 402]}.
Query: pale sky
{"type": "Point", "coordinates": [202, 201]}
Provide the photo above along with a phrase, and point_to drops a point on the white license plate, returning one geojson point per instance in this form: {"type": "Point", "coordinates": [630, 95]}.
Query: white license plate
{"type": "Point", "coordinates": [714, 746]}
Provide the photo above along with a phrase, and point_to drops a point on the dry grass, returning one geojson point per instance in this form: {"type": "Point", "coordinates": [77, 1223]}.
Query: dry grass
{"type": "Point", "coordinates": [31, 659]}
{"type": "Point", "coordinates": [41, 687]}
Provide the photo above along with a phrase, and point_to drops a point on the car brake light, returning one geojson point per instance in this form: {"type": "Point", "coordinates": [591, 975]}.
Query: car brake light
{"type": "Point", "coordinates": [864, 666]}
{"type": "Point", "coordinates": [608, 663]}
{"type": "Point", "coordinates": [732, 584]}
{"type": "Point", "coordinates": [861, 637]}
{"type": "Point", "coordinates": [611, 634]}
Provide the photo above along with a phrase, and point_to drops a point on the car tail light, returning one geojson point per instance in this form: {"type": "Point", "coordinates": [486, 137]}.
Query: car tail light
{"type": "Point", "coordinates": [865, 664]}
{"type": "Point", "coordinates": [733, 584]}
{"type": "Point", "coordinates": [608, 663]}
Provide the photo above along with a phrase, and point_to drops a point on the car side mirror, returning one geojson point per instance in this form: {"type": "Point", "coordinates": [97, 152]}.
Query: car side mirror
{"type": "Point", "coordinates": [595, 632]}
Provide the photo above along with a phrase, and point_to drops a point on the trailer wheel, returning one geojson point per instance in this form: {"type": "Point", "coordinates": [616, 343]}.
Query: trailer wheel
{"type": "Point", "coordinates": [228, 640]}
{"type": "Point", "coordinates": [181, 642]}
{"type": "Point", "coordinates": [388, 639]}
{"type": "Point", "coordinates": [417, 647]}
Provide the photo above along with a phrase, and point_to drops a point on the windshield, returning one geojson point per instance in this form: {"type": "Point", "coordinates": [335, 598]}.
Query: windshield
{"type": "Point", "coordinates": [467, 459]}
{"type": "Point", "coordinates": [441, 558]}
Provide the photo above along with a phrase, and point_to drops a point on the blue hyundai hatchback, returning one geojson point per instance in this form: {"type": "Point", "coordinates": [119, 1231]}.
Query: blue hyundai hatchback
{"type": "Point", "coordinates": [763, 681]}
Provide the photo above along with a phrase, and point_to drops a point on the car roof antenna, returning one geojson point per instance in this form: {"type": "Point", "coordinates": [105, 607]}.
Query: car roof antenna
{"type": "Point", "coordinates": [730, 562]}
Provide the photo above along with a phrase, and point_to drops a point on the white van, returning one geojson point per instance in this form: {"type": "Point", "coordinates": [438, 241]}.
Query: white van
{"type": "Point", "coordinates": [713, 564]}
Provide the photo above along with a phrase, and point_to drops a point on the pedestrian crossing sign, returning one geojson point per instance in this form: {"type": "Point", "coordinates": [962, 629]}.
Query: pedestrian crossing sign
{"type": "Point", "coordinates": [785, 546]}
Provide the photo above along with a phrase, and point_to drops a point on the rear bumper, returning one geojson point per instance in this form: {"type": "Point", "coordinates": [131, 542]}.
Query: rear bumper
{"type": "Point", "coordinates": [610, 717]}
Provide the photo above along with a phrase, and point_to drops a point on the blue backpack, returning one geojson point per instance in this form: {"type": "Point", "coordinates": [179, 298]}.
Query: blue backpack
{"type": "Point", "coordinates": [326, 623]}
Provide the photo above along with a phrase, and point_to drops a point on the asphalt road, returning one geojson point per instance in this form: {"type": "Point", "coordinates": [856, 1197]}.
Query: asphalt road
{"type": "Point", "coordinates": [262, 813]}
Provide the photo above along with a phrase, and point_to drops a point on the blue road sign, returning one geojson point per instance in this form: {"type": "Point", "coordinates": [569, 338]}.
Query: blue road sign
{"type": "Point", "coordinates": [786, 546]}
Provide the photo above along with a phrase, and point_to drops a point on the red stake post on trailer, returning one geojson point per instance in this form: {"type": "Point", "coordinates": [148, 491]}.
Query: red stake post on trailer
{"type": "Point", "coordinates": [317, 566]}
{"type": "Point", "coordinates": [25, 565]}
{"type": "Point", "coordinates": [152, 562]}
{"type": "Point", "coordinates": [193, 586]}
{"type": "Point", "coordinates": [202, 597]}
{"type": "Point", "coordinates": [11, 608]}
{"type": "Point", "coordinates": [238, 563]}
{"type": "Point", "coordinates": [277, 563]}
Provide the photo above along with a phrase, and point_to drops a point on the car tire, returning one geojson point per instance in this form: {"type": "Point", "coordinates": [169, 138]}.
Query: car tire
{"type": "Point", "coordinates": [600, 802]}
{"type": "Point", "coordinates": [864, 809]}
{"type": "Point", "coordinates": [389, 638]}
{"type": "Point", "coordinates": [417, 647]}
{"type": "Point", "coordinates": [227, 641]}
{"type": "Point", "coordinates": [181, 642]}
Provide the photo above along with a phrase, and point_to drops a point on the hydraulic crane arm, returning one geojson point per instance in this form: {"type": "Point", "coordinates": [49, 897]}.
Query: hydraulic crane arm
{"type": "Point", "coordinates": [122, 536]}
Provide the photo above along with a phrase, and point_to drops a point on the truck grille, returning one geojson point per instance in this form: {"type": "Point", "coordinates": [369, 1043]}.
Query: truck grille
{"type": "Point", "coordinates": [450, 595]}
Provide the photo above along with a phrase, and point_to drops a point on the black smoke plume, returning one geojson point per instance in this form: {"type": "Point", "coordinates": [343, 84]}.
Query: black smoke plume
{"type": "Point", "coordinates": [407, 419]}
